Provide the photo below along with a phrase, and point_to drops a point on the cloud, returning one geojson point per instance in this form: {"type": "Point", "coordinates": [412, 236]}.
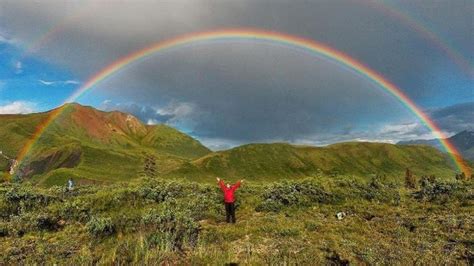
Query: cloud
{"type": "Point", "coordinates": [455, 118]}
{"type": "Point", "coordinates": [7, 39]}
{"type": "Point", "coordinates": [47, 83]}
{"type": "Point", "coordinates": [87, 35]}
{"type": "Point", "coordinates": [58, 82]}
{"type": "Point", "coordinates": [17, 107]}
{"type": "Point", "coordinates": [171, 114]}
{"type": "Point", "coordinates": [248, 91]}
{"type": "Point", "coordinates": [451, 119]}
{"type": "Point", "coordinates": [18, 67]}
{"type": "Point", "coordinates": [217, 144]}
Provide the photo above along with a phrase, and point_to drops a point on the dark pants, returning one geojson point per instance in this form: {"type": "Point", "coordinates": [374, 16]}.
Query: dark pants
{"type": "Point", "coordinates": [230, 212]}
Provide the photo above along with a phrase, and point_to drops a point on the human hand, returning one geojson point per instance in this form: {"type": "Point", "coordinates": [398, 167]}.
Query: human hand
{"type": "Point", "coordinates": [218, 179]}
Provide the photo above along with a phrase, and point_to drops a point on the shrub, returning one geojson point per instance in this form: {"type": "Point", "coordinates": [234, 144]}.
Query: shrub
{"type": "Point", "coordinates": [47, 222]}
{"type": "Point", "coordinates": [433, 190]}
{"type": "Point", "coordinates": [311, 226]}
{"type": "Point", "coordinates": [160, 191]}
{"type": "Point", "coordinates": [293, 193]}
{"type": "Point", "coordinates": [23, 198]}
{"type": "Point", "coordinates": [174, 229]}
{"type": "Point", "coordinates": [410, 181]}
{"type": "Point", "coordinates": [378, 191]}
{"type": "Point", "coordinates": [3, 229]}
{"type": "Point", "coordinates": [100, 226]}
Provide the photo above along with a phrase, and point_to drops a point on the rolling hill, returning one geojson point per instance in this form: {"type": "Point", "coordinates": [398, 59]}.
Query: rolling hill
{"type": "Point", "coordinates": [273, 161]}
{"type": "Point", "coordinates": [95, 146]}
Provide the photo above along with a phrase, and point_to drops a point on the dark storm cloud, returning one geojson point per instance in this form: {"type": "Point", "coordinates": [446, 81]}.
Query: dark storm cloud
{"type": "Point", "coordinates": [455, 118]}
{"type": "Point", "coordinates": [103, 30]}
{"type": "Point", "coordinates": [267, 93]}
{"type": "Point", "coordinates": [247, 91]}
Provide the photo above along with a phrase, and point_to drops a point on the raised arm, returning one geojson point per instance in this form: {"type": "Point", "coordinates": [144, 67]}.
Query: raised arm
{"type": "Point", "coordinates": [237, 185]}
{"type": "Point", "coordinates": [221, 183]}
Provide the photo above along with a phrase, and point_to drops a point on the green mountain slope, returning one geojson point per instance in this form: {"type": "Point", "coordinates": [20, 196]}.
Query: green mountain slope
{"type": "Point", "coordinates": [272, 161]}
{"type": "Point", "coordinates": [92, 145]}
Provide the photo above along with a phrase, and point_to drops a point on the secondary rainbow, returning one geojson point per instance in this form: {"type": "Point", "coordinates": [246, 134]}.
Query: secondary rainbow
{"type": "Point", "coordinates": [305, 44]}
{"type": "Point", "coordinates": [418, 27]}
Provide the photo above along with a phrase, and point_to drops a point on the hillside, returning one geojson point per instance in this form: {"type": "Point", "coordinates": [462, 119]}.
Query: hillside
{"type": "Point", "coordinates": [263, 161]}
{"type": "Point", "coordinates": [463, 141]}
{"type": "Point", "coordinates": [99, 146]}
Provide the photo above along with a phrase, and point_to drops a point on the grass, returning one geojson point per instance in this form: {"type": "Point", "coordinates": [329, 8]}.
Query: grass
{"type": "Point", "coordinates": [155, 220]}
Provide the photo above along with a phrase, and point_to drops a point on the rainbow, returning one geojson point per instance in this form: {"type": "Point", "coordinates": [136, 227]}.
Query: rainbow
{"type": "Point", "coordinates": [382, 6]}
{"type": "Point", "coordinates": [417, 26]}
{"type": "Point", "coordinates": [53, 31]}
{"type": "Point", "coordinates": [304, 44]}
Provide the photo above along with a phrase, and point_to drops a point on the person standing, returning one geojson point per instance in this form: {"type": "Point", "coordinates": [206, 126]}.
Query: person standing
{"type": "Point", "coordinates": [229, 198]}
{"type": "Point", "coordinates": [70, 184]}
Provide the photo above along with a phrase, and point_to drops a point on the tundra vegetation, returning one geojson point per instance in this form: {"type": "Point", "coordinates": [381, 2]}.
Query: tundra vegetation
{"type": "Point", "coordinates": [163, 220]}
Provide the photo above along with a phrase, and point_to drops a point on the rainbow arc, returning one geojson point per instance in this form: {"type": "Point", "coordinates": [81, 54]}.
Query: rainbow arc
{"type": "Point", "coordinates": [308, 45]}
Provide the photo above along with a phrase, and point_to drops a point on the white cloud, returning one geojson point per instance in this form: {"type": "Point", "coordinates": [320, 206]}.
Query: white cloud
{"type": "Point", "coordinates": [73, 82]}
{"type": "Point", "coordinates": [56, 82]}
{"type": "Point", "coordinates": [17, 107]}
{"type": "Point", "coordinates": [217, 144]}
{"type": "Point", "coordinates": [5, 38]}
{"type": "Point", "coordinates": [177, 110]}
{"type": "Point", "coordinates": [152, 122]}
{"type": "Point", "coordinates": [18, 67]}
{"type": "Point", "coordinates": [47, 83]}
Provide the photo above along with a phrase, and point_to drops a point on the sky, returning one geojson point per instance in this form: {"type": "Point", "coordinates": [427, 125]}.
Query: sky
{"type": "Point", "coordinates": [233, 92]}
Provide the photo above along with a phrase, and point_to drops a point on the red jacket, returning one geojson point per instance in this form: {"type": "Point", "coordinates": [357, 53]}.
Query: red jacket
{"type": "Point", "coordinates": [229, 192]}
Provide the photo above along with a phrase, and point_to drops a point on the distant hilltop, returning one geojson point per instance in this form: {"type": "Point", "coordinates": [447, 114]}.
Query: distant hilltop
{"type": "Point", "coordinates": [463, 141]}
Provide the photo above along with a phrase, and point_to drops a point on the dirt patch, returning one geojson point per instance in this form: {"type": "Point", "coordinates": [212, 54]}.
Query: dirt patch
{"type": "Point", "coordinates": [54, 160]}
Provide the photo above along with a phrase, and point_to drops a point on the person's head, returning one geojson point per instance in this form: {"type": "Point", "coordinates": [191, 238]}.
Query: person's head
{"type": "Point", "coordinates": [227, 185]}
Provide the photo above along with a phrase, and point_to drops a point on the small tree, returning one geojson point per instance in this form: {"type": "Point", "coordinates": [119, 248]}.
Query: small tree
{"type": "Point", "coordinates": [410, 181]}
{"type": "Point", "coordinates": [461, 176]}
{"type": "Point", "coordinates": [149, 168]}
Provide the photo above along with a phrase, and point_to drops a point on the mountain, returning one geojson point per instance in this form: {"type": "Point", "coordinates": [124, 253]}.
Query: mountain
{"type": "Point", "coordinates": [463, 141]}
{"type": "Point", "coordinates": [95, 145]}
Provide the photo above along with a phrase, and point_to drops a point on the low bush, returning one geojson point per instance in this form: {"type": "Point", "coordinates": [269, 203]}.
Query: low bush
{"type": "Point", "coordinates": [378, 191]}
{"type": "Point", "coordinates": [21, 198]}
{"type": "Point", "coordinates": [160, 191]}
{"type": "Point", "coordinates": [173, 229]}
{"type": "Point", "coordinates": [293, 193]}
{"type": "Point", "coordinates": [100, 226]}
{"type": "Point", "coordinates": [437, 191]}
{"type": "Point", "coordinates": [47, 222]}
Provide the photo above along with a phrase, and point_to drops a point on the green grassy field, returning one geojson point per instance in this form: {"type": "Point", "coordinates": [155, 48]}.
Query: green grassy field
{"type": "Point", "coordinates": [155, 220]}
